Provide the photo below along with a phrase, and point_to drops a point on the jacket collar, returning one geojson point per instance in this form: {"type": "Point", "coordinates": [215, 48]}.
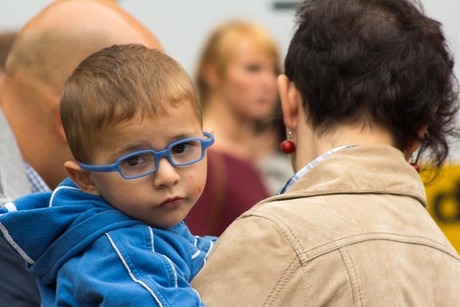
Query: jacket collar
{"type": "Point", "coordinates": [376, 169]}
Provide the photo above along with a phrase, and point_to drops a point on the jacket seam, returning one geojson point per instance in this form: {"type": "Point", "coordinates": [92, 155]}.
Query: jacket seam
{"type": "Point", "coordinates": [354, 280]}
{"type": "Point", "coordinates": [375, 236]}
{"type": "Point", "coordinates": [282, 282]}
{"type": "Point", "coordinates": [346, 240]}
{"type": "Point", "coordinates": [286, 231]}
{"type": "Point", "coordinates": [295, 244]}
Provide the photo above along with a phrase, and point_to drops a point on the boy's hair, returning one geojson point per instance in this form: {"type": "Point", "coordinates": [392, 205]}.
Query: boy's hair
{"type": "Point", "coordinates": [375, 62]}
{"type": "Point", "coordinates": [219, 49]}
{"type": "Point", "coordinates": [117, 84]}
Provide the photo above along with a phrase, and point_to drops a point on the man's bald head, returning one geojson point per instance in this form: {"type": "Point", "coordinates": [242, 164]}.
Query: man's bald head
{"type": "Point", "coordinates": [45, 53]}
{"type": "Point", "coordinates": [54, 42]}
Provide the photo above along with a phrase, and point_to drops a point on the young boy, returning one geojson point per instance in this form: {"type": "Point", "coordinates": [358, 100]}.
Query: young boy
{"type": "Point", "coordinates": [112, 233]}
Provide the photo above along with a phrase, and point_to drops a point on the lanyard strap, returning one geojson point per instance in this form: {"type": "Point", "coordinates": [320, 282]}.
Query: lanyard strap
{"type": "Point", "coordinates": [308, 167]}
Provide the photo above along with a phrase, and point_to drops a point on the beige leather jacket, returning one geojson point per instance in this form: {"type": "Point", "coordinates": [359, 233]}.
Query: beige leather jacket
{"type": "Point", "coordinates": [354, 231]}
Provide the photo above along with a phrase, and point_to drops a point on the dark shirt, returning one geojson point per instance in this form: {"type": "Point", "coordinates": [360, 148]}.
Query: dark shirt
{"type": "Point", "coordinates": [17, 285]}
{"type": "Point", "coordinates": [233, 186]}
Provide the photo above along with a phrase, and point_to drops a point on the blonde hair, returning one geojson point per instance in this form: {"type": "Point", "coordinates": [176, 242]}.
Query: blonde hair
{"type": "Point", "coordinates": [117, 84]}
{"type": "Point", "coordinates": [219, 50]}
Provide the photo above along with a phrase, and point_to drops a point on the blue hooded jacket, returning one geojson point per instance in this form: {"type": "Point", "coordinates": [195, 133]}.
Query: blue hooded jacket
{"type": "Point", "coordinates": [84, 252]}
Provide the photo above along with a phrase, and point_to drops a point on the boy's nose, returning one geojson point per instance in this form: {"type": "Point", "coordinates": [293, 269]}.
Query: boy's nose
{"type": "Point", "coordinates": [166, 174]}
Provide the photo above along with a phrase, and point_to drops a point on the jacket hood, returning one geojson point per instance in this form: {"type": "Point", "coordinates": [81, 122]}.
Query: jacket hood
{"type": "Point", "coordinates": [49, 228]}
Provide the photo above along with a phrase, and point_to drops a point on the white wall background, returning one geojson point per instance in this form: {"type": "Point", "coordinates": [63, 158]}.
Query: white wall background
{"type": "Point", "coordinates": [183, 25]}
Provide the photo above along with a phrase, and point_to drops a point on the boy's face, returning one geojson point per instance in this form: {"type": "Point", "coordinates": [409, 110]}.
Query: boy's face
{"type": "Point", "coordinates": [161, 199]}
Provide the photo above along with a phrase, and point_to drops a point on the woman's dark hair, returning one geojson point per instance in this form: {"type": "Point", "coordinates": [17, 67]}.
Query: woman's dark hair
{"type": "Point", "coordinates": [379, 62]}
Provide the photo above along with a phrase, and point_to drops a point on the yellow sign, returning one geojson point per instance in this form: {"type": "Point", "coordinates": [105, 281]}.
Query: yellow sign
{"type": "Point", "coordinates": [443, 197]}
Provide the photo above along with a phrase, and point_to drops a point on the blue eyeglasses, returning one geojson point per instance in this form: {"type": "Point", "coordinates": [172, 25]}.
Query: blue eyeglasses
{"type": "Point", "coordinates": [144, 162]}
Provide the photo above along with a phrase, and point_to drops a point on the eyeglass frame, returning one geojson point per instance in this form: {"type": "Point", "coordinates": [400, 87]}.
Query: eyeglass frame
{"type": "Point", "coordinates": [164, 153]}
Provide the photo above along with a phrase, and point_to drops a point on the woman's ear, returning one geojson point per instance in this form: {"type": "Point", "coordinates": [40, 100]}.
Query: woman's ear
{"type": "Point", "coordinates": [210, 75]}
{"type": "Point", "coordinates": [290, 101]}
{"type": "Point", "coordinates": [415, 144]}
{"type": "Point", "coordinates": [81, 177]}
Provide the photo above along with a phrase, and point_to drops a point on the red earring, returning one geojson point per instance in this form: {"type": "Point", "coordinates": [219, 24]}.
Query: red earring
{"type": "Point", "coordinates": [288, 146]}
{"type": "Point", "coordinates": [413, 162]}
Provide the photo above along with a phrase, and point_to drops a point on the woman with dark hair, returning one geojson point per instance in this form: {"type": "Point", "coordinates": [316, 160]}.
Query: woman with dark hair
{"type": "Point", "coordinates": [368, 90]}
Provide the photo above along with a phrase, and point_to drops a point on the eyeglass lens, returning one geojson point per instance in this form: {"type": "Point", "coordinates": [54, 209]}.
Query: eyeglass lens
{"type": "Point", "coordinates": [178, 153]}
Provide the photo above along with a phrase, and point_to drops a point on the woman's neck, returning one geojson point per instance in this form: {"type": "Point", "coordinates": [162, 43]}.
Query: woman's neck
{"type": "Point", "coordinates": [233, 134]}
{"type": "Point", "coordinates": [311, 145]}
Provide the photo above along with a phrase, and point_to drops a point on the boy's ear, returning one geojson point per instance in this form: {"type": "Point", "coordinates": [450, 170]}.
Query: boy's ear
{"type": "Point", "coordinates": [81, 177]}
{"type": "Point", "coordinates": [290, 101]}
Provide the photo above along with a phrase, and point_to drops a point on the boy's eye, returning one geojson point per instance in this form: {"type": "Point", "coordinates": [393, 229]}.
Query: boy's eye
{"type": "Point", "coordinates": [180, 148]}
{"type": "Point", "coordinates": [253, 68]}
{"type": "Point", "coordinates": [137, 160]}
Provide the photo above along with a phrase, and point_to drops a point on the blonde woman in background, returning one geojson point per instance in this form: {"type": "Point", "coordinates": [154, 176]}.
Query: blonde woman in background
{"type": "Point", "coordinates": [236, 79]}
